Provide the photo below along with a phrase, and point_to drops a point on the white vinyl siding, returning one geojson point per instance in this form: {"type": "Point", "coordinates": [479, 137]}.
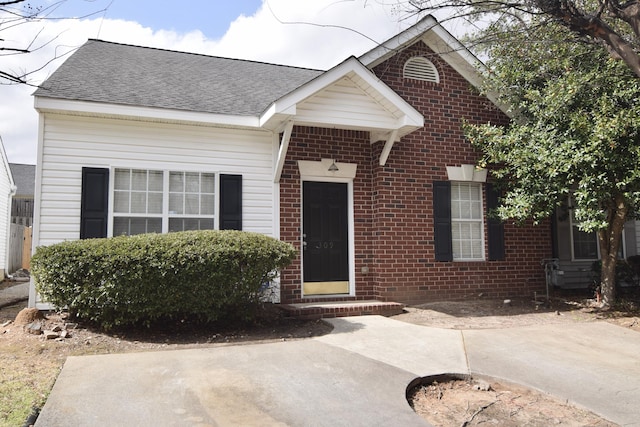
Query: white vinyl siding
{"type": "Point", "coordinates": [72, 142]}
{"type": "Point", "coordinates": [345, 103]}
{"type": "Point", "coordinates": [5, 216]}
{"type": "Point", "coordinates": [467, 228]}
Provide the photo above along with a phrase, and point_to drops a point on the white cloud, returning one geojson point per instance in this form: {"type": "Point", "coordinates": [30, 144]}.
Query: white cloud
{"type": "Point", "coordinates": [259, 37]}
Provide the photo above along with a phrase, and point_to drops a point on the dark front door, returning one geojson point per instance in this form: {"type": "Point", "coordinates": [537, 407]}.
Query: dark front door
{"type": "Point", "coordinates": [325, 238]}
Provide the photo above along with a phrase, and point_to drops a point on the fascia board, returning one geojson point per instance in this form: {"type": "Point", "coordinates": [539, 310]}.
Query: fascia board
{"type": "Point", "coordinates": [389, 48]}
{"type": "Point", "coordinates": [274, 113]}
{"type": "Point", "coordinates": [5, 162]}
{"type": "Point", "coordinates": [455, 54]}
{"type": "Point", "coordinates": [43, 105]}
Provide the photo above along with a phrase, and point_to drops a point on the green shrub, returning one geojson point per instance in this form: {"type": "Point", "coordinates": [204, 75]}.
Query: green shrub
{"type": "Point", "coordinates": [202, 275]}
{"type": "Point", "coordinates": [625, 273]}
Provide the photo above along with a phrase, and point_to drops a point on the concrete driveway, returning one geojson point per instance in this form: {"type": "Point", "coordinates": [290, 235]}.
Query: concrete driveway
{"type": "Point", "coordinates": [355, 376]}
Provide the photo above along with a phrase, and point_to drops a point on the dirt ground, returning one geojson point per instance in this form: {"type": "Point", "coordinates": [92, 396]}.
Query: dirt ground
{"type": "Point", "coordinates": [468, 402]}
{"type": "Point", "coordinates": [31, 363]}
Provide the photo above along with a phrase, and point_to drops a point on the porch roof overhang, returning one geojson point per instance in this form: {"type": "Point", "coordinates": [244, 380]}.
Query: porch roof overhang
{"type": "Point", "coordinates": [348, 96]}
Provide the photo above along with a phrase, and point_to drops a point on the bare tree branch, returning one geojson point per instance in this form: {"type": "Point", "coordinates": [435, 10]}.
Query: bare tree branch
{"type": "Point", "coordinates": [16, 13]}
{"type": "Point", "coordinates": [610, 23]}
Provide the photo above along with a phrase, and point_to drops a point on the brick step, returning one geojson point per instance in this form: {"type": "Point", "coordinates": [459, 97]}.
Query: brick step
{"type": "Point", "coordinates": [320, 310]}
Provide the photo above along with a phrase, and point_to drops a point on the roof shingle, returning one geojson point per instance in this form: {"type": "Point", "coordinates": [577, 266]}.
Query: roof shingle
{"type": "Point", "coordinates": [24, 177]}
{"type": "Point", "coordinates": [115, 73]}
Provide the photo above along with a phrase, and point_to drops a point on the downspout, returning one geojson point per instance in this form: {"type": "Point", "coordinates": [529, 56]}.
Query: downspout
{"type": "Point", "coordinates": [12, 192]}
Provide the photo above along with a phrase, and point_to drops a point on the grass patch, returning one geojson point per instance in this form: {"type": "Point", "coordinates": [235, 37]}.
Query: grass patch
{"type": "Point", "coordinates": [26, 378]}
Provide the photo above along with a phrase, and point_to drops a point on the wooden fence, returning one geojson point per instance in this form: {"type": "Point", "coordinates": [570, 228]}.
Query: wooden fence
{"type": "Point", "coordinates": [22, 211]}
{"type": "Point", "coordinates": [19, 247]}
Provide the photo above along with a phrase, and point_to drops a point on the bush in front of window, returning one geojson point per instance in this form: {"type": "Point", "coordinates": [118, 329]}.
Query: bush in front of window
{"type": "Point", "coordinates": [131, 280]}
{"type": "Point", "coordinates": [626, 273]}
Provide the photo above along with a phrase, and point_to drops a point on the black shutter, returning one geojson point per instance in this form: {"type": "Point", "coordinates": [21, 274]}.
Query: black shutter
{"type": "Point", "coordinates": [442, 220]}
{"type": "Point", "coordinates": [94, 211]}
{"type": "Point", "coordinates": [230, 202]}
{"type": "Point", "coordinates": [495, 227]}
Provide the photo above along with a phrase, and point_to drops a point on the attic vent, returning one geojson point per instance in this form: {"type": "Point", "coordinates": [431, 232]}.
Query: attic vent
{"type": "Point", "coordinates": [420, 68]}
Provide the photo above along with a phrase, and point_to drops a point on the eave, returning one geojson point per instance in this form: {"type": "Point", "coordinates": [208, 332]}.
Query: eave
{"type": "Point", "coordinates": [129, 112]}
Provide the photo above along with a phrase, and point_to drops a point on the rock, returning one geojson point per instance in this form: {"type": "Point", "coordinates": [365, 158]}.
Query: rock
{"type": "Point", "coordinates": [7, 323]}
{"type": "Point", "coordinates": [481, 385]}
{"type": "Point", "coordinates": [56, 328]}
{"type": "Point", "coordinates": [65, 334]}
{"type": "Point", "coordinates": [28, 315]}
{"type": "Point", "coordinates": [34, 328]}
{"type": "Point", "coordinates": [70, 326]}
{"type": "Point", "coordinates": [22, 273]}
{"type": "Point", "coordinates": [50, 335]}
{"type": "Point", "coordinates": [506, 302]}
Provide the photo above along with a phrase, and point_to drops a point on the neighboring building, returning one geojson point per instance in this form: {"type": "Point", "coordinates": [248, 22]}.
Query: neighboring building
{"type": "Point", "coordinates": [7, 190]}
{"type": "Point", "coordinates": [364, 168]}
{"type": "Point", "coordinates": [24, 177]}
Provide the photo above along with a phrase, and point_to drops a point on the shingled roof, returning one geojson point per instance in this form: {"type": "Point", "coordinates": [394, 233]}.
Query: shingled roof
{"type": "Point", "coordinates": [116, 73]}
{"type": "Point", "coordinates": [24, 177]}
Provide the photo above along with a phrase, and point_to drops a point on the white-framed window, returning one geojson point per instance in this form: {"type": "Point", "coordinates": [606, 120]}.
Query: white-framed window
{"type": "Point", "coordinates": [585, 246]}
{"type": "Point", "coordinates": [191, 201]}
{"type": "Point", "coordinates": [160, 201]}
{"type": "Point", "coordinates": [467, 222]}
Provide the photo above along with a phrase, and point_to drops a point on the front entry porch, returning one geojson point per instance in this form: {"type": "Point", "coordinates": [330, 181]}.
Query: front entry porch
{"type": "Point", "coordinates": [330, 309]}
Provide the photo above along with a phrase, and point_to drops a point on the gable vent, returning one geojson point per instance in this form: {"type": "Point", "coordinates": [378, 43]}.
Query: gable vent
{"type": "Point", "coordinates": [420, 68]}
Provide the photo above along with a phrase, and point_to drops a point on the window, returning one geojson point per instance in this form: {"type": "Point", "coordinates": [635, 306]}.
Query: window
{"type": "Point", "coordinates": [459, 229]}
{"type": "Point", "coordinates": [152, 201]}
{"type": "Point", "coordinates": [137, 200]}
{"type": "Point", "coordinates": [585, 245]}
{"type": "Point", "coordinates": [467, 229]}
{"type": "Point", "coordinates": [191, 201]}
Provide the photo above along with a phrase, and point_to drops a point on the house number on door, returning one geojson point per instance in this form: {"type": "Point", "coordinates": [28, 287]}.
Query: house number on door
{"type": "Point", "coordinates": [324, 245]}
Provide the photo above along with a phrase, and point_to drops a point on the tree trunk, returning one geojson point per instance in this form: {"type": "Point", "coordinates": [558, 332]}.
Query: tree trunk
{"type": "Point", "coordinates": [609, 239]}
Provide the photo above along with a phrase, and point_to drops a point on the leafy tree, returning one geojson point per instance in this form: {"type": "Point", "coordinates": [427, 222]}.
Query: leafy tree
{"type": "Point", "coordinates": [614, 24]}
{"type": "Point", "coordinates": [575, 132]}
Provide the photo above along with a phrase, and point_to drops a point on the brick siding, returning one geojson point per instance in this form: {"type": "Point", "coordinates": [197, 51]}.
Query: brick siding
{"type": "Point", "coordinates": [393, 207]}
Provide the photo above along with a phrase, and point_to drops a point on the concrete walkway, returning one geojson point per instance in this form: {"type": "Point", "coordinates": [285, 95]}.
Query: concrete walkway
{"type": "Point", "coordinates": [14, 294]}
{"type": "Point", "coordinates": [355, 376]}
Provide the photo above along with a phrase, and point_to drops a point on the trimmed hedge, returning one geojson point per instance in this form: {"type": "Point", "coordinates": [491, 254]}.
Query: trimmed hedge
{"type": "Point", "coordinates": [127, 280]}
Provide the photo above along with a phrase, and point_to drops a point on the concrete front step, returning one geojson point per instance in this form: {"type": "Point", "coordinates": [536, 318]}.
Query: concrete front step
{"type": "Point", "coordinates": [320, 310]}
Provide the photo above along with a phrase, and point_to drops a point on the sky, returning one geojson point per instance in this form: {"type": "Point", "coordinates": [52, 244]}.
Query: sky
{"type": "Point", "coordinates": [315, 34]}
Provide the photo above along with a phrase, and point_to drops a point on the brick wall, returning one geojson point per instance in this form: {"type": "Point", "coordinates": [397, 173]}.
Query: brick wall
{"type": "Point", "coordinates": [406, 269]}
{"type": "Point", "coordinates": [314, 144]}
{"type": "Point", "coordinates": [393, 207]}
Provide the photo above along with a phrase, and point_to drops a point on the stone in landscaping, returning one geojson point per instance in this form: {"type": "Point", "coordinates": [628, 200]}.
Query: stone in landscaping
{"type": "Point", "coordinates": [50, 335]}
{"type": "Point", "coordinates": [34, 328]}
{"type": "Point", "coordinates": [56, 328]}
{"type": "Point", "coordinates": [480, 385]}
